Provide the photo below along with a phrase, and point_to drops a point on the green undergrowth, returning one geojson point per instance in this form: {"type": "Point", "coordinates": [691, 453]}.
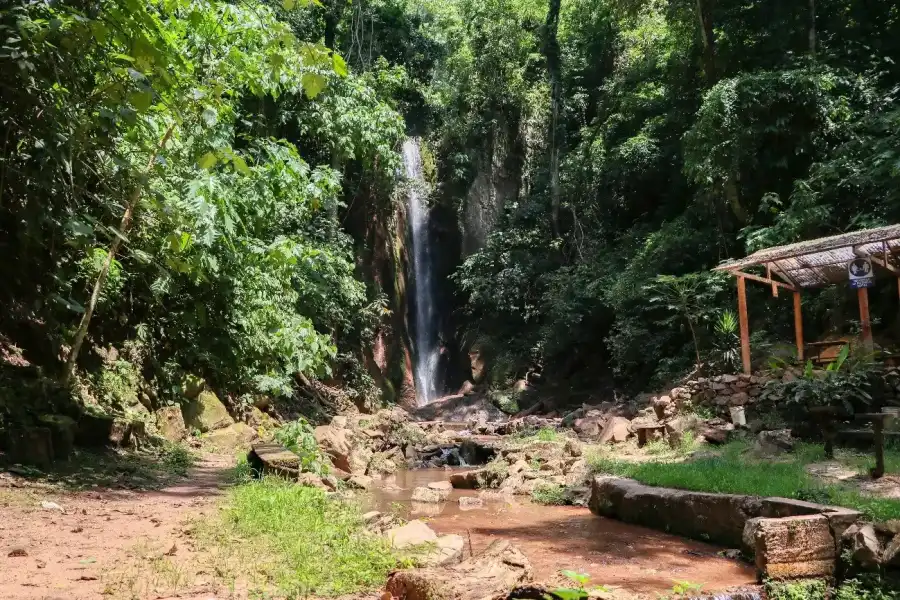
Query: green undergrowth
{"type": "Point", "coordinates": [293, 541]}
{"type": "Point", "coordinates": [550, 494]}
{"type": "Point", "coordinates": [867, 588]}
{"type": "Point", "coordinates": [544, 434]}
{"type": "Point", "coordinates": [148, 468]}
{"type": "Point", "coordinates": [734, 470]}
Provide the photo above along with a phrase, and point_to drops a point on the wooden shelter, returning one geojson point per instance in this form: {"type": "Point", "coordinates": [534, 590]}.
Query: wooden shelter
{"type": "Point", "coordinates": [813, 264]}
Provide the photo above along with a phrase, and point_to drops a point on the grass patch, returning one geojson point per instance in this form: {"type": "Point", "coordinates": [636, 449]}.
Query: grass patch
{"type": "Point", "coordinates": [550, 494]}
{"type": "Point", "coordinates": [294, 541]}
{"type": "Point", "coordinates": [733, 471]}
{"type": "Point", "coordinates": [544, 434]}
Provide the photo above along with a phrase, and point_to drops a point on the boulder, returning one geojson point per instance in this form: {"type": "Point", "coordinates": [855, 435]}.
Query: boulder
{"type": "Point", "coordinates": [460, 409]}
{"type": "Point", "coordinates": [448, 550]}
{"type": "Point", "coordinates": [31, 446]}
{"type": "Point", "coordinates": [362, 482]}
{"type": "Point", "coordinates": [336, 443]}
{"type": "Point", "coordinates": [491, 574]}
{"type": "Point", "coordinates": [466, 480]}
{"type": "Point", "coordinates": [441, 486]}
{"type": "Point", "coordinates": [862, 542]}
{"type": "Point", "coordinates": [273, 459]}
{"type": "Point", "coordinates": [470, 503]}
{"type": "Point", "coordinates": [413, 533]}
{"type": "Point", "coordinates": [467, 388]}
{"type": "Point", "coordinates": [234, 437]}
{"type": "Point", "coordinates": [891, 556]}
{"type": "Point", "coordinates": [427, 494]}
{"type": "Point", "coordinates": [663, 406]}
{"type": "Point", "coordinates": [206, 413]}
{"type": "Point", "coordinates": [590, 424]}
{"type": "Point", "coordinates": [192, 386]}
{"type": "Point", "coordinates": [716, 431]}
{"type": "Point", "coordinates": [62, 431]}
{"type": "Point", "coordinates": [616, 430]}
{"type": "Point", "coordinates": [94, 431]}
{"type": "Point", "coordinates": [259, 420]}
{"type": "Point", "coordinates": [170, 423]}
{"type": "Point", "coordinates": [774, 442]}
{"type": "Point", "coordinates": [677, 427]}
{"type": "Point", "coordinates": [573, 447]}
{"type": "Point", "coordinates": [382, 463]}
{"type": "Point", "coordinates": [359, 458]}
{"type": "Point", "coordinates": [794, 547]}
{"type": "Point", "coordinates": [311, 480]}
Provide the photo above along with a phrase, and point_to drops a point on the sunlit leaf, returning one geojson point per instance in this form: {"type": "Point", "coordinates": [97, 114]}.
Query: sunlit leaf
{"type": "Point", "coordinates": [313, 84]}
{"type": "Point", "coordinates": [208, 160]}
{"type": "Point", "coordinates": [340, 65]}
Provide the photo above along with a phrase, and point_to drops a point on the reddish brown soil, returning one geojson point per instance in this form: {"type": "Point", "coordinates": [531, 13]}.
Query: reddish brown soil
{"type": "Point", "coordinates": [95, 548]}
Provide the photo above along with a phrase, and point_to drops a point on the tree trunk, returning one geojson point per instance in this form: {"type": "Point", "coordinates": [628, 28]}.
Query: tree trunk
{"type": "Point", "coordinates": [704, 14]}
{"type": "Point", "coordinates": [124, 226]}
{"type": "Point", "coordinates": [812, 28]}
{"type": "Point", "coordinates": [551, 51]}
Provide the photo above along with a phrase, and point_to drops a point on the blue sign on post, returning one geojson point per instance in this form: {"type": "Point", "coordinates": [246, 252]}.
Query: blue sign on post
{"type": "Point", "coordinates": [861, 273]}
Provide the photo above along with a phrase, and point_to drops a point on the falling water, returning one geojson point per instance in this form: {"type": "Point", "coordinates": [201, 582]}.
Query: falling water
{"type": "Point", "coordinates": [426, 349]}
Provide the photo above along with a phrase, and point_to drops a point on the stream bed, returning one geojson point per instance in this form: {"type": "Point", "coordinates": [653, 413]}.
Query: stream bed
{"type": "Point", "coordinates": [614, 554]}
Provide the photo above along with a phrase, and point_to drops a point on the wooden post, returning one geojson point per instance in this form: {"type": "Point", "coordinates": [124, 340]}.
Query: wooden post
{"type": "Point", "coordinates": [798, 326]}
{"type": "Point", "coordinates": [863, 294]}
{"type": "Point", "coordinates": [745, 327]}
{"type": "Point", "coordinates": [878, 430]}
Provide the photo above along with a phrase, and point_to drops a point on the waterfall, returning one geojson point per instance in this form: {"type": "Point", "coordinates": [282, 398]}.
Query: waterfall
{"type": "Point", "coordinates": [426, 351]}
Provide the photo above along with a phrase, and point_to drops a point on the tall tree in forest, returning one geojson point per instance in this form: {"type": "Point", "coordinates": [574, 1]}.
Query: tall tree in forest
{"type": "Point", "coordinates": [554, 68]}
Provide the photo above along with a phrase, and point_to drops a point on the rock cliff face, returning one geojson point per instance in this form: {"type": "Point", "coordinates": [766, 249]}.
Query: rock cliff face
{"type": "Point", "coordinates": [498, 180]}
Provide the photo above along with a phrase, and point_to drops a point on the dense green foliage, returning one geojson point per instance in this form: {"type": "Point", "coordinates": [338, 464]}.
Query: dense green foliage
{"type": "Point", "coordinates": [160, 154]}
{"type": "Point", "coordinates": [691, 132]}
{"type": "Point", "coordinates": [211, 187]}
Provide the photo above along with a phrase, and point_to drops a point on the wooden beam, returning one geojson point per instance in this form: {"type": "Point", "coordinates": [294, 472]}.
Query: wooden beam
{"type": "Point", "coordinates": [765, 280]}
{"type": "Point", "coordinates": [769, 276]}
{"type": "Point", "coordinates": [881, 262]}
{"type": "Point", "coordinates": [798, 325]}
{"type": "Point", "coordinates": [783, 274]}
{"type": "Point", "coordinates": [863, 295]}
{"type": "Point", "coordinates": [745, 326]}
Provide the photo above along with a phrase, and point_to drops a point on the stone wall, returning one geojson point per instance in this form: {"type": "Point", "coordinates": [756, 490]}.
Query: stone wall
{"type": "Point", "coordinates": [788, 538]}
{"type": "Point", "coordinates": [721, 392]}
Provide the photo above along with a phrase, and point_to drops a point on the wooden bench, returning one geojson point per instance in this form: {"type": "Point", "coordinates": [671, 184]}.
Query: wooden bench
{"type": "Point", "coordinates": [646, 433]}
{"type": "Point", "coordinates": [826, 416]}
{"type": "Point", "coordinates": [824, 352]}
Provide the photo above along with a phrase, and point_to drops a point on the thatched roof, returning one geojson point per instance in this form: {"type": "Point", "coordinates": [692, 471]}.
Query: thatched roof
{"type": "Point", "coordinates": [823, 261]}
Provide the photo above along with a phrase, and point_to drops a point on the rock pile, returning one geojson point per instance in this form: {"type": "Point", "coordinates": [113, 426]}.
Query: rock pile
{"type": "Point", "coordinates": [522, 468]}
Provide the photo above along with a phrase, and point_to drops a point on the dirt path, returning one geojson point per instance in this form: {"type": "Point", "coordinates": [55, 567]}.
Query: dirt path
{"type": "Point", "coordinates": [106, 544]}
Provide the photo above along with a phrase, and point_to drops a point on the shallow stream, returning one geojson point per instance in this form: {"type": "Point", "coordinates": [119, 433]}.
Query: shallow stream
{"type": "Point", "coordinates": [614, 554]}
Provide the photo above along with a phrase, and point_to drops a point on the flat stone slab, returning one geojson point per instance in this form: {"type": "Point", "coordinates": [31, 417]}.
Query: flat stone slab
{"type": "Point", "coordinates": [274, 459]}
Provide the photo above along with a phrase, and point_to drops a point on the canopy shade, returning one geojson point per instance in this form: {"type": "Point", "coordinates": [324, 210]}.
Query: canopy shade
{"type": "Point", "coordinates": [823, 261]}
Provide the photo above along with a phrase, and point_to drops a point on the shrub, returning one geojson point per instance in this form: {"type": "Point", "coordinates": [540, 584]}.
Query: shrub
{"type": "Point", "coordinates": [298, 437]}
{"type": "Point", "coordinates": [550, 494]}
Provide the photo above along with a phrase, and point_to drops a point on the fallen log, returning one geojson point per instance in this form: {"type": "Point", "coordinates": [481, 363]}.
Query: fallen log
{"type": "Point", "coordinates": [489, 575]}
